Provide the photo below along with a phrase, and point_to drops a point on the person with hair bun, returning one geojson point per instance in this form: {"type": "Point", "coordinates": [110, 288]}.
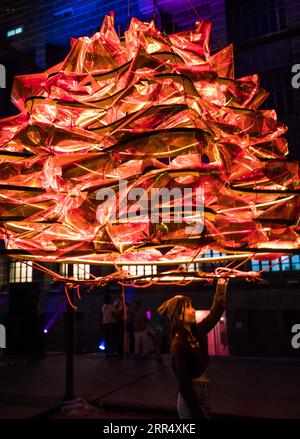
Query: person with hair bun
{"type": "Point", "coordinates": [189, 350]}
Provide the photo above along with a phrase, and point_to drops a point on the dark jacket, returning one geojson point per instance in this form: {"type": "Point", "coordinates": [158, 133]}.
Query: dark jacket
{"type": "Point", "coordinates": [189, 363]}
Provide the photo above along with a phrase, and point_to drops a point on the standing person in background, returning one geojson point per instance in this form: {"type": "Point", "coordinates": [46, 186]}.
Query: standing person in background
{"type": "Point", "coordinates": [122, 322]}
{"type": "Point", "coordinates": [109, 327]}
{"type": "Point", "coordinates": [139, 323]}
{"type": "Point", "coordinates": [189, 350]}
{"type": "Point", "coordinates": [158, 338]}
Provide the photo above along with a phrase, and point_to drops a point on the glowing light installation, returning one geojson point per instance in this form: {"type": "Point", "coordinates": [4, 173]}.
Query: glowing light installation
{"type": "Point", "coordinates": [158, 111]}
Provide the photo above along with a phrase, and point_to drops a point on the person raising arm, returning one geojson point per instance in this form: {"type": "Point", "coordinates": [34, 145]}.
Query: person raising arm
{"type": "Point", "coordinates": [189, 350]}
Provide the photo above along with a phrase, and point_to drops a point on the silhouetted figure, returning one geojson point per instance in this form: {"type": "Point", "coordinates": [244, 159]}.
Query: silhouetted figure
{"type": "Point", "coordinates": [139, 323]}
{"type": "Point", "coordinates": [109, 326]}
{"type": "Point", "coordinates": [189, 350]}
{"type": "Point", "coordinates": [158, 338]}
{"type": "Point", "coordinates": [121, 313]}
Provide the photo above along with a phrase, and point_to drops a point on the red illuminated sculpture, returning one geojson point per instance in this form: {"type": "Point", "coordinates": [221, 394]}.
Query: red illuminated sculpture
{"type": "Point", "coordinates": [121, 118]}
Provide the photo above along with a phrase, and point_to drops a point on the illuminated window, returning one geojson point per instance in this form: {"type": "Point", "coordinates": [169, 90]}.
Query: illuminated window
{"type": "Point", "coordinates": [140, 270]}
{"type": "Point", "coordinates": [20, 271]}
{"type": "Point", "coordinates": [194, 266]}
{"type": "Point", "coordinates": [265, 264]}
{"type": "Point", "coordinates": [296, 262]}
{"type": "Point", "coordinates": [16, 31]}
{"type": "Point", "coordinates": [80, 271]}
{"type": "Point", "coordinates": [213, 254]}
{"type": "Point", "coordinates": [282, 264]}
{"type": "Point", "coordinates": [285, 263]}
{"type": "Point", "coordinates": [276, 267]}
{"type": "Point", "coordinates": [255, 265]}
{"type": "Point", "coordinates": [205, 266]}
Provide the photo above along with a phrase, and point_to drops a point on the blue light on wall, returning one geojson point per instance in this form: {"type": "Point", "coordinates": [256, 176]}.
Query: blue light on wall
{"type": "Point", "coordinates": [63, 13]}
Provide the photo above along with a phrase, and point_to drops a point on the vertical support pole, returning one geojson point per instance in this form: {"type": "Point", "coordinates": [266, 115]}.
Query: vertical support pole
{"type": "Point", "coordinates": [69, 382]}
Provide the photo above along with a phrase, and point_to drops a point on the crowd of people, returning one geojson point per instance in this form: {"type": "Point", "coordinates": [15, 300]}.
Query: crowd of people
{"type": "Point", "coordinates": [126, 329]}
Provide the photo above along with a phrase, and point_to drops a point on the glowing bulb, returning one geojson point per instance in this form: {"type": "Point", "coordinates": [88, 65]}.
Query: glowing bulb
{"type": "Point", "coordinates": [101, 346]}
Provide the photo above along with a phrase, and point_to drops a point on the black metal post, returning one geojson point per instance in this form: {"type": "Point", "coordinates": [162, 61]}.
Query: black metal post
{"type": "Point", "coordinates": [69, 394]}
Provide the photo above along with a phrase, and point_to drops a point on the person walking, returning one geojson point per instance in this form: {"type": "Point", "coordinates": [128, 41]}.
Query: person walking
{"type": "Point", "coordinates": [139, 323]}
{"type": "Point", "coordinates": [122, 313]}
{"type": "Point", "coordinates": [109, 326]}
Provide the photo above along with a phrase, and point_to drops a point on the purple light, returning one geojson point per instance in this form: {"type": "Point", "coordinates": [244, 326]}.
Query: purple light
{"type": "Point", "coordinates": [45, 331]}
{"type": "Point", "coordinates": [148, 315]}
{"type": "Point", "coordinates": [3, 300]}
{"type": "Point", "coordinates": [57, 313]}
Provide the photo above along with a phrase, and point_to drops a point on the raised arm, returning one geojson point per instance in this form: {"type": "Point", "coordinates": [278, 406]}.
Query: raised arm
{"type": "Point", "coordinates": [217, 308]}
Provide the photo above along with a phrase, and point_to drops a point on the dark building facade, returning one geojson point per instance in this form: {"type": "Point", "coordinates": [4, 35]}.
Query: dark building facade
{"type": "Point", "coordinates": [266, 35]}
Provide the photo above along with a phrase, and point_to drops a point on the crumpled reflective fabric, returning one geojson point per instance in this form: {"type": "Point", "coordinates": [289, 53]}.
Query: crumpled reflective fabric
{"type": "Point", "coordinates": [157, 111]}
